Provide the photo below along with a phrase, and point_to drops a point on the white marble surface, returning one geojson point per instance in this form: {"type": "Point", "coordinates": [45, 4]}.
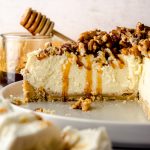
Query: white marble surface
{"type": "Point", "coordinates": [75, 16]}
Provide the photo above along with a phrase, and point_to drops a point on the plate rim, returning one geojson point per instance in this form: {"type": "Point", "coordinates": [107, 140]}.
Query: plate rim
{"type": "Point", "coordinates": [123, 134]}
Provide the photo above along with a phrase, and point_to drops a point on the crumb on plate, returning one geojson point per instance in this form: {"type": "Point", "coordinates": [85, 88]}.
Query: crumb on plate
{"type": "Point", "coordinates": [44, 110]}
{"type": "Point", "coordinates": [83, 104]}
{"type": "Point", "coordinates": [16, 100]}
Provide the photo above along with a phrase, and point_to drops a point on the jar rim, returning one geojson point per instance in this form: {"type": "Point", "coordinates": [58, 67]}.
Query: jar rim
{"type": "Point", "coordinates": [24, 35]}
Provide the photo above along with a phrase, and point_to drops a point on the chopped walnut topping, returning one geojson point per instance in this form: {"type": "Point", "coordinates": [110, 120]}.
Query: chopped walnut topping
{"type": "Point", "coordinates": [49, 50]}
{"type": "Point", "coordinates": [81, 49]}
{"type": "Point", "coordinates": [48, 44]}
{"type": "Point", "coordinates": [70, 47]}
{"type": "Point", "coordinates": [139, 27]}
{"type": "Point", "coordinates": [125, 51]}
{"type": "Point", "coordinates": [101, 58]}
{"type": "Point", "coordinates": [135, 51]}
{"type": "Point", "coordinates": [104, 46]}
{"type": "Point", "coordinates": [42, 54]}
{"type": "Point", "coordinates": [93, 41]}
{"type": "Point", "coordinates": [144, 47]}
{"type": "Point", "coordinates": [83, 104]}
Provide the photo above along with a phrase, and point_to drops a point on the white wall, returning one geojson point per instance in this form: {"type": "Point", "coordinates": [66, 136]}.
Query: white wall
{"type": "Point", "coordinates": [75, 16]}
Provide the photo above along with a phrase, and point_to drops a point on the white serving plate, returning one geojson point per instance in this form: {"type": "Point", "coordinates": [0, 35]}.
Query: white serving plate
{"type": "Point", "coordinates": [125, 121]}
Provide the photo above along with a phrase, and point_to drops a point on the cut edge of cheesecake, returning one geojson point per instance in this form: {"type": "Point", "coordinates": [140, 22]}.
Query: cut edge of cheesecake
{"type": "Point", "coordinates": [144, 87]}
{"type": "Point", "coordinates": [102, 82]}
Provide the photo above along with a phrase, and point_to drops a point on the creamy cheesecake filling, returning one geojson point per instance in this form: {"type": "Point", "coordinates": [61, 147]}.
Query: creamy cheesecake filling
{"type": "Point", "coordinates": [79, 140]}
{"type": "Point", "coordinates": [60, 75]}
{"type": "Point", "coordinates": [144, 87]}
{"type": "Point", "coordinates": [122, 81]}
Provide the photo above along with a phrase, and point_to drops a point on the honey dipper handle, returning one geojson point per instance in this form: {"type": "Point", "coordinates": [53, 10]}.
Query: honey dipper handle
{"type": "Point", "coordinates": [62, 36]}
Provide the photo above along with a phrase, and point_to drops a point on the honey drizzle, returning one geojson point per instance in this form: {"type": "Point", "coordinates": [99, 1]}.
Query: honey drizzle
{"type": "Point", "coordinates": [65, 79]}
{"type": "Point", "coordinates": [121, 64]}
{"type": "Point", "coordinates": [112, 64]}
{"type": "Point", "coordinates": [99, 81]}
{"type": "Point", "coordinates": [88, 87]}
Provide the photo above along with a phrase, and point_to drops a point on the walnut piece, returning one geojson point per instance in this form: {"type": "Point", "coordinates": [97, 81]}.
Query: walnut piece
{"type": "Point", "coordinates": [83, 104]}
{"type": "Point", "coordinates": [17, 101]}
{"type": "Point", "coordinates": [93, 41]}
{"type": "Point", "coordinates": [44, 110]}
{"type": "Point", "coordinates": [49, 50]}
{"type": "Point", "coordinates": [144, 47]}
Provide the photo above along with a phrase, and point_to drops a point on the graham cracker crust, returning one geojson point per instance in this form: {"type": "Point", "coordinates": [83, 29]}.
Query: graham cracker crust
{"type": "Point", "coordinates": [32, 94]}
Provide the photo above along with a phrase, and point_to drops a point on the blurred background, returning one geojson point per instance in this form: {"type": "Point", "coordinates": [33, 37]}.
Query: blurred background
{"type": "Point", "coordinates": [72, 17]}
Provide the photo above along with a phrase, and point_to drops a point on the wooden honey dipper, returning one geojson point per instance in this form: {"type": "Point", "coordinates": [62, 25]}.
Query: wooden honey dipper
{"type": "Point", "coordinates": [37, 23]}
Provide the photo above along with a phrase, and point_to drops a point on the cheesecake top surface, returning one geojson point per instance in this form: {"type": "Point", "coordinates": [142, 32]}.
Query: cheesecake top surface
{"type": "Point", "coordinates": [105, 47]}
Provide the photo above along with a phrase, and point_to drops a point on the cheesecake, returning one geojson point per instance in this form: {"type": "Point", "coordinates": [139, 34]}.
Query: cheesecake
{"type": "Point", "coordinates": [17, 130]}
{"type": "Point", "coordinates": [112, 65]}
{"type": "Point", "coordinates": [81, 140]}
{"type": "Point", "coordinates": [28, 131]}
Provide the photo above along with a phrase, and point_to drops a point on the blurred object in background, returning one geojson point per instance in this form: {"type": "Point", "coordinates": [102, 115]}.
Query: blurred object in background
{"type": "Point", "coordinates": [13, 50]}
{"type": "Point", "coordinates": [73, 17]}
